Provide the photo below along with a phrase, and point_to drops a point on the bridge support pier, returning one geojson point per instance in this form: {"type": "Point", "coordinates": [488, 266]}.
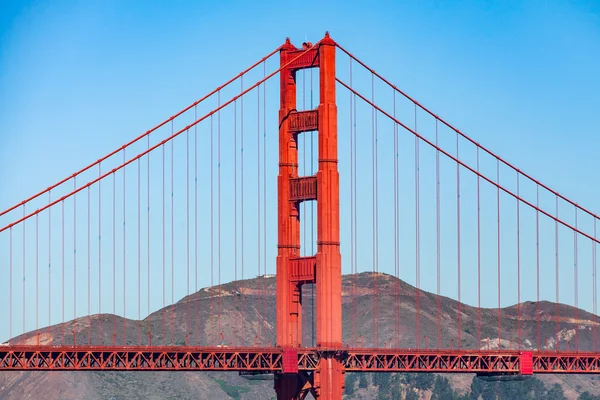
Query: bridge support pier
{"type": "Point", "coordinates": [324, 268]}
{"type": "Point", "coordinates": [287, 386]}
{"type": "Point", "coordinates": [329, 378]}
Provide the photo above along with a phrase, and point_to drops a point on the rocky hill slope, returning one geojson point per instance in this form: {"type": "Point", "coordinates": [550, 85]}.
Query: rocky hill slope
{"type": "Point", "coordinates": [201, 317]}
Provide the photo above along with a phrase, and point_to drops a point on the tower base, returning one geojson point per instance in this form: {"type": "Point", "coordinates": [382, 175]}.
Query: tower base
{"type": "Point", "coordinates": [329, 379]}
{"type": "Point", "coordinates": [294, 386]}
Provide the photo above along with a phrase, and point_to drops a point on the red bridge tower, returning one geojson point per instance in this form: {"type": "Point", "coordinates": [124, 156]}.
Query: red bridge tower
{"type": "Point", "coordinates": [324, 268]}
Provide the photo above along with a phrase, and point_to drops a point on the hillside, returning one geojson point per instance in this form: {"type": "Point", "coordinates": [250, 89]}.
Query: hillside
{"type": "Point", "coordinates": [358, 297]}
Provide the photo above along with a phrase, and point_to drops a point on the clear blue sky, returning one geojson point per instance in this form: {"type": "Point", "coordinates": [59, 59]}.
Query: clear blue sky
{"type": "Point", "coordinates": [80, 78]}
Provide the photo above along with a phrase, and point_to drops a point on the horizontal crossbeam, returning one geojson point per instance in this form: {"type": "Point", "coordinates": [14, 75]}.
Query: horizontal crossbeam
{"type": "Point", "coordinates": [308, 58]}
{"type": "Point", "coordinates": [302, 269]}
{"type": "Point", "coordinates": [303, 121]}
{"type": "Point", "coordinates": [303, 189]}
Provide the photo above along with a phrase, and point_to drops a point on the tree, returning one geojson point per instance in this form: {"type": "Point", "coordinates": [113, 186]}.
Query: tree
{"type": "Point", "coordinates": [556, 393]}
{"type": "Point", "coordinates": [381, 380]}
{"type": "Point", "coordinates": [588, 396]}
{"type": "Point", "coordinates": [476, 388]}
{"type": "Point", "coordinates": [382, 396]}
{"type": "Point", "coordinates": [442, 389]}
{"type": "Point", "coordinates": [350, 383]}
{"type": "Point", "coordinates": [410, 395]}
{"type": "Point", "coordinates": [362, 381]}
{"type": "Point", "coordinates": [424, 381]}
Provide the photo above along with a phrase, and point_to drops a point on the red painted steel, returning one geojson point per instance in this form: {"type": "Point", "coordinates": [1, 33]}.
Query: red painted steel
{"type": "Point", "coordinates": [303, 58]}
{"type": "Point", "coordinates": [293, 272]}
{"type": "Point", "coordinates": [289, 292]}
{"type": "Point", "coordinates": [290, 361]}
{"type": "Point", "coordinates": [152, 358]}
{"type": "Point", "coordinates": [526, 363]}
{"type": "Point", "coordinates": [303, 121]}
{"type": "Point", "coordinates": [302, 189]}
{"type": "Point", "coordinates": [278, 360]}
{"type": "Point", "coordinates": [302, 269]}
{"type": "Point", "coordinates": [329, 378]}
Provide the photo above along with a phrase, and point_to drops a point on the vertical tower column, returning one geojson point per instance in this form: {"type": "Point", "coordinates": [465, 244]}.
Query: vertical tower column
{"type": "Point", "coordinates": [289, 324]}
{"type": "Point", "coordinates": [329, 379]}
{"type": "Point", "coordinates": [288, 313]}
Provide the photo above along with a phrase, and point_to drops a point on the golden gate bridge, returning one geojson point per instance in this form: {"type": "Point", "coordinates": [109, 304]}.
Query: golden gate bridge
{"type": "Point", "coordinates": [366, 173]}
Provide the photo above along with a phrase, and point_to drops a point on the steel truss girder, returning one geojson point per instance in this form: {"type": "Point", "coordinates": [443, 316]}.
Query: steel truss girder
{"type": "Point", "coordinates": [139, 358]}
{"type": "Point", "coordinates": [270, 360]}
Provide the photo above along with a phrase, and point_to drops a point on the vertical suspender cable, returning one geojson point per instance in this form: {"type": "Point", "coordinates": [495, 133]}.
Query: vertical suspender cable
{"type": "Point", "coordinates": [187, 229]}
{"type": "Point", "coordinates": [396, 298]}
{"type": "Point", "coordinates": [196, 223]}
{"type": "Point", "coordinates": [377, 218]}
{"type": "Point", "coordinates": [164, 246]}
{"type": "Point", "coordinates": [235, 221]}
{"type": "Point", "coordinates": [63, 269]}
{"type": "Point", "coordinates": [172, 238]}
{"type": "Point", "coordinates": [187, 234]}
{"type": "Point", "coordinates": [212, 270]}
{"type": "Point", "coordinates": [89, 266]}
{"type": "Point", "coordinates": [304, 251]}
{"type": "Point", "coordinates": [260, 294]}
{"type": "Point", "coordinates": [352, 233]}
{"type": "Point", "coordinates": [418, 236]}
{"type": "Point", "coordinates": [302, 205]}
{"type": "Point", "coordinates": [395, 333]}
{"type": "Point", "coordinates": [242, 196]}
{"type": "Point", "coordinates": [594, 290]}
{"type": "Point", "coordinates": [23, 282]}
{"type": "Point", "coordinates": [219, 210]}
{"type": "Point", "coordinates": [264, 187]}
{"type": "Point", "coordinates": [478, 253]}
{"type": "Point", "coordinates": [518, 267]}
{"type": "Point", "coordinates": [537, 250]}
{"type": "Point", "coordinates": [49, 261]}
{"type": "Point", "coordinates": [576, 291]}
{"type": "Point", "coordinates": [438, 237]}
{"type": "Point", "coordinates": [37, 290]}
{"type": "Point", "coordinates": [148, 249]}
{"type": "Point", "coordinates": [124, 261]}
{"type": "Point", "coordinates": [396, 250]}
{"type": "Point", "coordinates": [557, 284]}
{"type": "Point", "coordinates": [498, 215]}
{"type": "Point", "coordinates": [375, 298]}
{"type": "Point", "coordinates": [114, 191]}
{"type": "Point", "coordinates": [100, 253]}
{"type": "Point", "coordinates": [355, 214]}
{"type": "Point", "coordinates": [458, 239]}
{"type": "Point", "coordinates": [139, 243]}
{"type": "Point", "coordinates": [10, 279]}
{"type": "Point", "coordinates": [74, 259]}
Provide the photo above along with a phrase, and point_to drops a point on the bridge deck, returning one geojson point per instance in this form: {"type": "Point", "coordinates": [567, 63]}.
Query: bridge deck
{"type": "Point", "coordinates": [271, 359]}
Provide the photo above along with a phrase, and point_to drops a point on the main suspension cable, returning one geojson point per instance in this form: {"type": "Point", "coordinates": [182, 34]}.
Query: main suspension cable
{"type": "Point", "coordinates": [447, 124]}
{"type": "Point", "coordinates": [147, 133]}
